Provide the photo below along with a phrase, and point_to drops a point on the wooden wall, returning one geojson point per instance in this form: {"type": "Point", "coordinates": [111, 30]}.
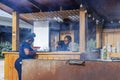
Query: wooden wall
{"type": "Point", "coordinates": [110, 37]}
{"type": "Point", "coordinates": [9, 71]}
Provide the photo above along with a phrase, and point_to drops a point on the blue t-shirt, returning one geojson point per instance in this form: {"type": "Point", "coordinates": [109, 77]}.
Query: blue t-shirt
{"type": "Point", "coordinates": [22, 53]}
{"type": "Point", "coordinates": [62, 47]}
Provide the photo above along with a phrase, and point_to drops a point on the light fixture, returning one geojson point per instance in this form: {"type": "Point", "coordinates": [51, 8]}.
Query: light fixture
{"type": "Point", "coordinates": [93, 18]}
{"type": "Point", "coordinates": [118, 21]}
{"type": "Point", "coordinates": [55, 18]}
{"type": "Point", "coordinates": [85, 11]}
{"type": "Point", "coordinates": [111, 22]}
{"type": "Point", "coordinates": [89, 15]}
{"type": "Point", "coordinates": [58, 19]}
{"type": "Point", "coordinates": [81, 5]}
{"type": "Point", "coordinates": [97, 21]}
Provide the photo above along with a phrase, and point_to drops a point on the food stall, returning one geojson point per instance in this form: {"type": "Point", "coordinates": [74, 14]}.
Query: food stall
{"type": "Point", "coordinates": [61, 65]}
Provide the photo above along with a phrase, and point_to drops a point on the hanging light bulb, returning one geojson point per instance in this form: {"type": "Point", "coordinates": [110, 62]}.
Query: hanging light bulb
{"type": "Point", "coordinates": [118, 21]}
{"type": "Point", "coordinates": [89, 15]}
{"type": "Point", "coordinates": [93, 18]}
{"type": "Point", "coordinates": [85, 11]}
{"type": "Point", "coordinates": [81, 5]}
{"type": "Point", "coordinates": [111, 22]}
{"type": "Point", "coordinates": [97, 21]}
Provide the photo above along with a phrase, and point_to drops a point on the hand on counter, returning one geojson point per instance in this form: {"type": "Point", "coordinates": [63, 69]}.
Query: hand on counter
{"type": "Point", "coordinates": [32, 53]}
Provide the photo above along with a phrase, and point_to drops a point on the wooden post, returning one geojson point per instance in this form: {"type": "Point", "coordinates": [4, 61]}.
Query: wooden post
{"type": "Point", "coordinates": [82, 31]}
{"type": "Point", "coordinates": [15, 31]}
{"type": "Point", "coordinates": [98, 35]}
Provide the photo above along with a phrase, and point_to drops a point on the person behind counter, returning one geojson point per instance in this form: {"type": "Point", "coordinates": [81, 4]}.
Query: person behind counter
{"type": "Point", "coordinates": [25, 52]}
{"type": "Point", "coordinates": [60, 46]}
{"type": "Point", "coordinates": [67, 45]}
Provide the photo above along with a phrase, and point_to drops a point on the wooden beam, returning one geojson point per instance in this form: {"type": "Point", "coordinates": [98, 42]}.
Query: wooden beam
{"type": "Point", "coordinates": [111, 30]}
{"type": "Point", "coordinates": [82, 31]}
{"type": "Point", "coordinates": [98, 35]}
{"type": "Point", "coordinates": [15, 31]}
{"type": "Point", "coordinates": [10, 10]}
{"type": "Point", "coordinates": [45, 15]}
{"type": "Point", "coordinates": [5, 8]}
{"type": "Point", "coordinates": [38, 5]}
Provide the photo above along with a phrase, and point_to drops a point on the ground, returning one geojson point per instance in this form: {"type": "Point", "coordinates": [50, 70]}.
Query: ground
{"type": "Point", "coordinates": [1, 69]}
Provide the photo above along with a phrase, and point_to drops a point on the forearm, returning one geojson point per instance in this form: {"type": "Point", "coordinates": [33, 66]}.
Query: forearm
{"type": "Point", "coordinates": [32, 53]}
{"type": "Point", "coordinates": [28, 52]}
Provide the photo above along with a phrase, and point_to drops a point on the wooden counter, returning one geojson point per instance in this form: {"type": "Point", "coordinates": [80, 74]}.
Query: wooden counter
{"type": "Point", "coordinates": [10, 72]}
{"type": "Point", "coordinates": [61, 70]}
{"type": "Point", "coordinates": [10, 57]}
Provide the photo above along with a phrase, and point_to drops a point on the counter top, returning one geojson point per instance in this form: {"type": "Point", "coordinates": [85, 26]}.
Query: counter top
{"type": "Point", "coordinates": [46, 53]}
{"type": "Point", "coordinates": [11, 52]}
{"type": "Point", "coordinates": [60, 53]}
{"type": "Point", "coordinates": [97, 60]}
{"type": "Point", "coordinates": [62, 56]}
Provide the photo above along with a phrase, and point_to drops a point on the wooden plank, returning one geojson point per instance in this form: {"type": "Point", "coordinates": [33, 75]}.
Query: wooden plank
{"type": "Point", "coordinates": [10, 77]}
{"type": "Point", "coordinates": [82, 30]}
{"type": "Point", "coordinates": [44, 15]}
{"type": "Point", "coordinates": [6, 67]}
{"type": "Point", "coordinates": [58, 57]}
{"type": "Point", "coordinates": [15, 31]}
{"type": "Point", "coordinates": [114, 55]}
{"type": "Point", "coordinates": [115, 39]}
{"type": "Point", "coordinates": [98, 36]}
{"type": "Point", "coordinates": [103, 39]}
{"type": "Point", "coordinates": [111, 30]}
{"type": "Point", "coordinates": [111, 37]}
{"type": "Point", "coordinates": [106, 39]}
{"type": "Point", "coordinates": [118, 36]}
{"type": "Point", "coordinates": [29, 71]}
{"type": "Point", "coordinates": [10, 72]}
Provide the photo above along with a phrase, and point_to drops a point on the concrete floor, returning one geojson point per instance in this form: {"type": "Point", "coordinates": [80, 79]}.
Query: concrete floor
{"type": "Point", "coordinates": [1, 69]}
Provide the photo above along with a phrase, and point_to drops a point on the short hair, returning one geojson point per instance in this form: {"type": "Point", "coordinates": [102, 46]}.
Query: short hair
{"type": "Point", "coordinates": [69, 38]}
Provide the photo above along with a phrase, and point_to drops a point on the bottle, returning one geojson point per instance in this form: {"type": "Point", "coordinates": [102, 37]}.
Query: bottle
{"type": "Point", "coordinates": [104, 53]}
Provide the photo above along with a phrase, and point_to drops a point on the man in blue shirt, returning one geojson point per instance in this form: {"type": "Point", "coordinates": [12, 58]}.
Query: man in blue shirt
{"type": "Point", "coordinates": [67, 45]}
{"type": "Point", "coordinates": [63, 45]}
{"type": "Point", "coordinates": [25, 52]}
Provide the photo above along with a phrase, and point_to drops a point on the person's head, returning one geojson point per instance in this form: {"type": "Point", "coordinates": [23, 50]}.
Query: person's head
{"type": "Point", "coordinates": [30, 38]}
{"type": "Point", "coordinates": [67, 39]}
{"type": "Point", "coordinates": [30, 41]}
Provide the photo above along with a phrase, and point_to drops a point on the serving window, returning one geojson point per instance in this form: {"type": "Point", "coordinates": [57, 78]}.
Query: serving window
{"type": "Point", "coordinates": [57, 36]}
{"type": "Point", "coordinates": [51, 34]}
